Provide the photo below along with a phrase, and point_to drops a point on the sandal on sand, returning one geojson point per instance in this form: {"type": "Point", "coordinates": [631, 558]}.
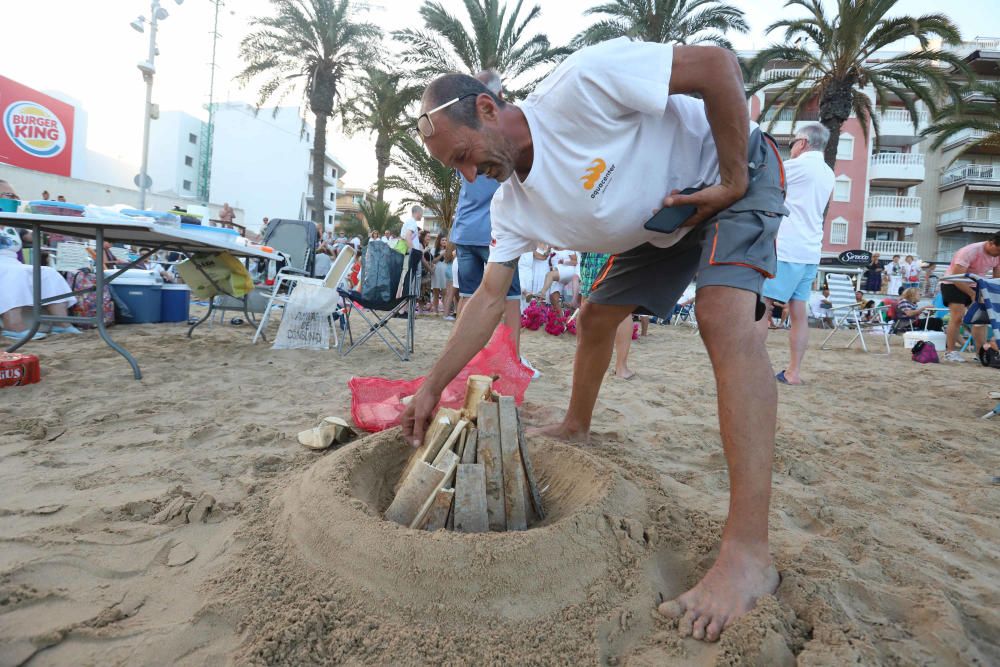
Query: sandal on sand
{"type": "Point", "coordinates": [780, 377]}
{"type": "Point", "coordinates": [330, 430]}
{"type": "Point", "coordinates": [21, 335]}
{"type": "Point", "coordinates": [627, 379]}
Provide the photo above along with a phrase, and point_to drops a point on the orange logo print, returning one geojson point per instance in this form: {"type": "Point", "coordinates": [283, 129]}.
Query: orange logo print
{"type": "Point", "coordinates": [593, 173]}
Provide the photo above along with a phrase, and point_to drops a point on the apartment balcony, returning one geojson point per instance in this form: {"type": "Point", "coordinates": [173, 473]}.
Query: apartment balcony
{"type": "Point", "coordinates": [890, 248]}
{"type": "Point", "coordinates": [962, 138]}
{"type": "Point", "coordinates": [896, 127]}
{"type": "Point", "coordinates": [897, 170]}
{"type": "Point", "coordinates": [974, 177]}
{"type": "Point", "coordinates": [887, 209]}
{"type": "Point", "coordinates": [784, 121]}
{"type": "Point", "coordinates": [774, 74]}
{"type": "Point", "coordinates": [982, 220]}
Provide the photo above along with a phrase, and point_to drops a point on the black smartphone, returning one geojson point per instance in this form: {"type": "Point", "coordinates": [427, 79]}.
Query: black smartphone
{"type": "Point", "coordinates": [669, 219]}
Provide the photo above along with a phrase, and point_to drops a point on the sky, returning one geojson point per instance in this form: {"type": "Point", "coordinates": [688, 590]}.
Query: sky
{"type": "Point", "coordinates": [85, 49]}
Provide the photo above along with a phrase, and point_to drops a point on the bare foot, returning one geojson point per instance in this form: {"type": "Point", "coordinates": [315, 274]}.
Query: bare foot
{"type": "Point", "coordinates": [625, 374]}
{"type": "Point", "coordinates": [560, 432]}
{"type": "Point", "coordinates": [726, 592]}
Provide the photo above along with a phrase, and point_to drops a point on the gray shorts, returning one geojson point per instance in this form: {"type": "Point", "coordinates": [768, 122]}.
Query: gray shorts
{"type": "Point", "coordinates": [734, 249]}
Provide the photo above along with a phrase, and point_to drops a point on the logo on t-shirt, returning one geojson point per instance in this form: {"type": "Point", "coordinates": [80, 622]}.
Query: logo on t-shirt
{"type": "Point", "coordinates": [593, 174]}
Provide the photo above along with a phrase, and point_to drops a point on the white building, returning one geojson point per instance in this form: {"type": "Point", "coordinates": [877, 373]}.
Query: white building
{"type": "Point", "coordinates": [260, 162]}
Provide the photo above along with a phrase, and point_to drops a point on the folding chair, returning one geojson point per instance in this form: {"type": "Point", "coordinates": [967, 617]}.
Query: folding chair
{"type": "Point", "coordinates": [849, 315]}
{"type": "Point", "coordinates": [381, 305]}
{"type": "Point", "coordinates": [338, 272]}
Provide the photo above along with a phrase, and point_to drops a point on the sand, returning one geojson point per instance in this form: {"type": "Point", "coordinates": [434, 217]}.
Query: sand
{"type": "Point", "coordinates": [177, 520]}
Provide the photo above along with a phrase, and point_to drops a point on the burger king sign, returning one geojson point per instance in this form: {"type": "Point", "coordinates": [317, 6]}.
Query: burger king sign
{"type": "Point", "coordinates": [36, 130]}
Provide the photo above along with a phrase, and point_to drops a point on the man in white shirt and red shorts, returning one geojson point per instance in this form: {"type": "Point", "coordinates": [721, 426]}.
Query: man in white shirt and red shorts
{"type": "Point", "coordinates": [612, 135]}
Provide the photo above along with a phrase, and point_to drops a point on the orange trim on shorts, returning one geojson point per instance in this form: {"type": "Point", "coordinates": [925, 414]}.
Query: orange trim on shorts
{"type": "Point", "coordinates": [604, 273]}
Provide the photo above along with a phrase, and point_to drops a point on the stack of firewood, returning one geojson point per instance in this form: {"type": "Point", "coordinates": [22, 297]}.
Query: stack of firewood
{"type": "Point", "coordinates": [472, 473]}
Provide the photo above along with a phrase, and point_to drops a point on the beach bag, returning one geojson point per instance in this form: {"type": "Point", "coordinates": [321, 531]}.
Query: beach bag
{"type": "Point", "coordinates": [400, 247]}
{"type": "Point", "coordinates": [376, 403]}
{"type": "Point", "coordinates": [924, 352]}
{"type": "Point", "coordinates": [304, 322]}
{"type": "Point", "coordinates": [380, 275]}
{"type": "Point", "coordinates": [224, 270]}
{"type": "Point", "coordinates": [86, 303]}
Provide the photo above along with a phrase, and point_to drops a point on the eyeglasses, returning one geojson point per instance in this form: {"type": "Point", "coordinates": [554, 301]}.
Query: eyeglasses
{"type": "Point", "coordinates": [791, 144]}
{"type": "Point", "coordinates": [424, 122]}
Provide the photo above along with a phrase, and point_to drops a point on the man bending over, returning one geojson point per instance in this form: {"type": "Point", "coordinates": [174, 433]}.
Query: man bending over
{"type": "Point", "coordinates": [610, 136]}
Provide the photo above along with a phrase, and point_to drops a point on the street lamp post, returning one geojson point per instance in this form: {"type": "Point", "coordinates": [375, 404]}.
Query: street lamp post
{"type": "Point", "coordinates": [148, 69]}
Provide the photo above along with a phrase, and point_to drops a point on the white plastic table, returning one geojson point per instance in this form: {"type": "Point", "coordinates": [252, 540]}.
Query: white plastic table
{"type": "Point", "coordinates": [147, 234]}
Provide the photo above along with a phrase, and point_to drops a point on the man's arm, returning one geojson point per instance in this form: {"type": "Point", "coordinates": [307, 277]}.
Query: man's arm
{"type": "Point", "coordinates": [479, 318]}
{"type": "Point", "coordinates": [714, 73]}
{"type": "Point", "coordinates": [964, 286]}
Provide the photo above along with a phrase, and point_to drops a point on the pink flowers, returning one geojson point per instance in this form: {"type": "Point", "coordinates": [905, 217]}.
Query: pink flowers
{"type": "Point", "coordinates": [538, 315]}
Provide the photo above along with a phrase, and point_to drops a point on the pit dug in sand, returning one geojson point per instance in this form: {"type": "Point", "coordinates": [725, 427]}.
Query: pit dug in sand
{"type": "Point", "coordinates": [591, 537]}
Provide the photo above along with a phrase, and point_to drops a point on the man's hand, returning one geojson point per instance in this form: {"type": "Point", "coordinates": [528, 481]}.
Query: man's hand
{"type": "Point", "coordinates": [418, 414]}
{"type": "Point", "coordinates": [709, 202]}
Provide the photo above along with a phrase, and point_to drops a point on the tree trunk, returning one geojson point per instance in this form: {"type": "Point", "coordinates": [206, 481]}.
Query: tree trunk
{"type": "Point", "coordinates": [319, 162]}
{"type": "Point", "coordinates": [834, 109]}
{"type": "Point", "coordinates": [382, 163]}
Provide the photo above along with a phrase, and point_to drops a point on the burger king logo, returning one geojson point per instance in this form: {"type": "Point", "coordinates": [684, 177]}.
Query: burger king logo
{"type": "Point", "coordinates": [34, 129]}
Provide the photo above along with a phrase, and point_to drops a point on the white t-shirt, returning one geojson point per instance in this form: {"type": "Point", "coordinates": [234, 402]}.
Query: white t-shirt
{"type": "Point", "coordinates": [911, 272]}
{"type": "Point", "coordinates": [411, 225]}
{"type": "Point", "coordinates": [609, 144]}
{"type": "Point", "coordinates": [810, 183]}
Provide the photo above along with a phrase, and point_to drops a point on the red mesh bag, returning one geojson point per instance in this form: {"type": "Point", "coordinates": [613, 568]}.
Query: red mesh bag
{"type": "Point", "coordinates": [376, 403]}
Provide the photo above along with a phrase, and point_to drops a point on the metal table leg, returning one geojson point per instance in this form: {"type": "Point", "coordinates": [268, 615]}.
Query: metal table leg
{"type": "Point", "coordinates": [99, 315]}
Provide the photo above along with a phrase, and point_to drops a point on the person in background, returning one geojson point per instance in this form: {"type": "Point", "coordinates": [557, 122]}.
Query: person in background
{"type": "Point", "coordinates": [822, 308]}
{"type": "Point", "coordinates": [442, 273]}
{"type": "Point", "coordinates": [591, 265]}
{"type": "Point", "coordinates": [410, 232]}
{"type": "Point", "coordinates": [873, 275]}
{"type": "Point", "coordinates": [894, 270]}
{"type": "Point", "coordinates": [16, 297]}
{"type": "Point", "coordinates": [374, 236]}
{"type": "Point", "coordinates": [427, 274]}
{"type": "Point", "coordinates": [149, 264]}
{"type": "Point", "coordinates": [911, 272]}
{"type": "Point", "coordinates": [981, 259]}
{"type": "Point", "coordinates": [867, 306]}
{"type": "Point", "coordinates": [227, 215]}
{"type": "Point", "coordinates": [61, 198]}
{"type": "Point", "coordinates": [263, 225]}
{"type": "Point", "coordinates": [908, 313]}
{"type": "Point", "coordinates": [929, 281]}
{"type": "Point", "coordinates": [45, 195]}
{"type": "Point", "coordinates": [809, 182]}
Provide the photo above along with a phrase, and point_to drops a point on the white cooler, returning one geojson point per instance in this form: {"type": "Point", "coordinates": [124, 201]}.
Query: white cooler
{"type": "Point", "coordinates": [936, 337]}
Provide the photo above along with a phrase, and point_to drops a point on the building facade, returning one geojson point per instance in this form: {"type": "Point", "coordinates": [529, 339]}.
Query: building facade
{"type": "Point", "coordinates": [896, 196]}
{"type": "Point", "coordinates": [261, 162]}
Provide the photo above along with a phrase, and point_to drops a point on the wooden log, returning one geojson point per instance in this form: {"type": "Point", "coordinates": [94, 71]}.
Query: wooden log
{"type": "Point", "coordinates": [534, 494]}
{"type": "Point", "coordinates": [422, 483]}
{"type": "Point", "coordinates": [470, 499]}
{"type": "Point", "coordinates": [447, 467]}
{"type": "Point", "coordinates": [437, 516]}
{"type": "Point", "coordinates": [469, 453]}
{"type": "Point", "coordinates": [449, 444]}
{"type": "Point", "coordinates": [435, 435]}
{"type": "Point", "coordinates": [488, 453]}
{"type": "Point", "coordinates": [477, 389]}
{"type": "Point", "coordinates": [514, 493]}
{"type": "Point", "coordinates": [460, 445]}
{"type": "Point", "coordinates": [439, 431]}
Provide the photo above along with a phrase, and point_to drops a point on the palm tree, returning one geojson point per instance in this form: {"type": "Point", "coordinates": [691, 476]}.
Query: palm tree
{"type": "Point", "coordinates": [496, 41]}
{"type": "Point", "coordinates": [313, 45]}
{"type": "Point", "coordinates": [351, 225]}
{"type": "Point", "coordinates": [379, 106]}
{"type": "Point", "coordinates": [980, 113]}
{"type": "Point", "coordinates": [681, 21]}
{"type": "Point", "coordinates": [834, 58]}
{"type": "Point", "coordinates": [425, 181]}
{"type": "Point", "coordinates": [380, 216]}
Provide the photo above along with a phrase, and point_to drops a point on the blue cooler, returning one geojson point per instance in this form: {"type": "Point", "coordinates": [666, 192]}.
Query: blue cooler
{"type": "Point", "coordinates": [175, 303]}
{"type": "Point", "coordinates": [142, 293]}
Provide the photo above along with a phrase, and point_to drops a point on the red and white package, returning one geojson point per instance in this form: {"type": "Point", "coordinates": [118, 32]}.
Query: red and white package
{"type": "Point", "coordinates": [18, 369]}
